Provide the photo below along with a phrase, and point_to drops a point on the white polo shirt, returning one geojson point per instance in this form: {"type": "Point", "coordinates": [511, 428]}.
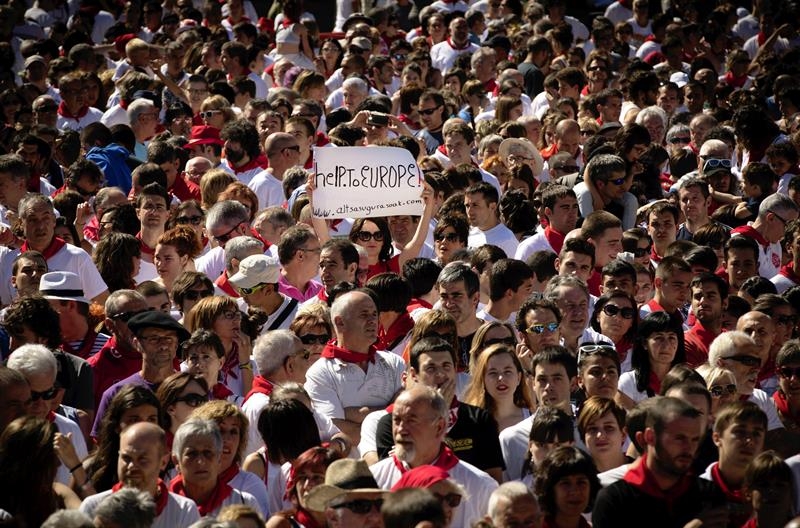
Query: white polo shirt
{"type": "Point", "coordinates": [499, 236]}
{"type": "Point", "coordinates": [76, 260]}
{"type": "Point", "coordinates": [268, 189]}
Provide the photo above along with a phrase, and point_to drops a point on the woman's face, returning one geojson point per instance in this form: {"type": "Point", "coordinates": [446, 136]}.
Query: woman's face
{"type": "Point", "coordinates": [446, 242]}
{"type": "Point", "coordinates": [568, 110]}
{"type": "Point", "coordinates": [603, 436]}
{"type": "Point", "coordinates": [410, 76]}
{"type": "Point", "coordinates": [228, 324]}
{"type": "Point", "coordinates": [572, 494]}
{"type": "Point", "coordinates": [516, 183]}
{"type": "Point", "coordinates": [64, 233]}
{"type": "Point", "coordinates": [644, 260]}
{"type": "Point", "coordinates": [720, 388]}
{"type": "Point", "coordinates": [93, 93]}
{"type": "Point", "coordinates": [314, 337]}
{"type": "Point", "coordinates": [231, 437]}
{"type": "Point", "coordinates": [180, 410]}
{"type": "Point", "coordinates": [194, 214]}
{"type": "Point", "coordinates": [142, 413]}
{"type": "Point", "coordinates": [372, 246]}
{"type": "Point", "coordinates": [615, 326]}
{"type": "Point", "coordinates": [215, 118]}
{"type": "Point", "coordinates": [515, 113]}
{"type": "Point", "coordinates": [720, 181]}
{"type": "Point", "coordinates": [661, 347]}
{"type": "Point", "coordinates": [453, 84]}
{"type": "Point", "coordinates": [502, 377]}
{"type": "Point", "coordinates": [203, 361]}
{"type": "Point", "coordinates": [599, 377]}
{"type": "Point", "coordinates": [168, 263]}
{"type": "Point", "coordinates": [308, 479]}
{"type": "Point", "coordinates": [539, 331]}
{"type": "Point", "coordinates": [316, 93]}
{"type": "Point", "coordinates": [436, 28]}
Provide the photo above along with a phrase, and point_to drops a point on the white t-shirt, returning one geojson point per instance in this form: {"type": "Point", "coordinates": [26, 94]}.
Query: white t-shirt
{"type": "Point", "coordinates": [766, 404]}
{"type": "Point", "coordinates": [499, 236]}
{"type": "Point", "coordinates": [369, 430]}
{"type": "Point", "coordinates": [250, 483]}
{"type": "Point", "coordinates": [180, 512]}
{"type": "Point", "coordinates": [444, 55]}
{"type": "Point", "coordinates": [66, 426]}
{"type": "Point", "coordinates": [627, 386]}
{"type": "Point", "coordinates": [70, 123]}
{"type": "Point", "coordinates": [268, 189]}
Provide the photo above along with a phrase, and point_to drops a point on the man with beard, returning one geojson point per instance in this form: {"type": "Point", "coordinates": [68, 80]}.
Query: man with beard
{"type": "Point", "coordinates": [444, 54]}
{"type": "Point", "coordinates": [243, 155]}
{"type": "Point", "coordinates": [709, 300]}
{"type": "Point", "coordinates": [142, 456]}
{"type": "Point", "coordinates": [419, 425]}
{"type": "Point", "coordinates": [658, 486]}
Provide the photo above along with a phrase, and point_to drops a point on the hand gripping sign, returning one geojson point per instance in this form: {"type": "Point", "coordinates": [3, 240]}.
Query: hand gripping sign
{"type": "Point", "coordinates": [356, 182]}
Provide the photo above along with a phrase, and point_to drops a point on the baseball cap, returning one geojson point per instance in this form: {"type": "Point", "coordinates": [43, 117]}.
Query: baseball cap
{"type": "Point", "coordinates": [255, 270]}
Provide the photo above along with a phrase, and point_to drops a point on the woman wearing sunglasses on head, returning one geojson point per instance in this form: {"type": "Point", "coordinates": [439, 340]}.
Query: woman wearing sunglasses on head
{"type": "Point", "coordinates": [616, 316]}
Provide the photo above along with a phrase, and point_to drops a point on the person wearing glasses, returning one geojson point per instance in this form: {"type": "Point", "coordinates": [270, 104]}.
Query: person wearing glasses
{"type": "Point", "coordinates": [774, 215]}
{"type": "Point", "coordinates": [616, 316]}
{"type": "Point", "coordinates": [605, 187]}
{"type": "Point", "coordinates": [787, 397]}
{"type": "Point", "coordinates": [39, 367]}
{"type": "Point", "coordinates": [143, 118]}
{"type": "Point", "coordinates": [73, 112]}
{"type": "Point", "coordinates": [538, 322]}
{"type": "Point", "coordinates": [257, 281]}
{"type": "Point", "coordinates": [437, 481]}
{"type": "Point", "coordinates": [179, 394]}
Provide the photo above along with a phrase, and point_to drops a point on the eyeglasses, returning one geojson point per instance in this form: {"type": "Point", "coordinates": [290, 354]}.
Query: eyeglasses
{"type": "Point", "coordinates": [680, 139]}
{"type": "Point", "coordinates": [611, 310]}
{"type": "Point", "coordinates": [713, 163]}
{"type": "Point", "coordinates": [749, 361]}
{"type": "Point", "coordinates": [227, 236]}
{"type": "Point", "coordinates": [193, 400]}
{"type": "Point", "coordinates": [779, 217]}
{"type": "Point", "coordinates": [617, 181]}
{"type": "Point", "coordinates": [231, 315]}
{"type": "Point", "coordinates": [399, 57]}
{"type": "Point", "coordinates": [640, 252]}
{"type": "Point", "coordinates": [789, 372]}
{"type": "Point", "coordinates": [208, 114]}
{"type": "Point", "coordinates": [539, 328]}
{"type": "Point", "coordinates": [125, 316]}
{"type": "Point", "coordinates": [510, 341]}
{"type": "Point", "coordinates": [310, 339]}
{"type": "Point", "coordinates": [310, 250]}
{"type": "Point", "coordinates": [518, 158]}
{"type": "Point", "coordinates": [193, 220]}
{"type": "Point", "coordinates": [251, 291]}
{"type": "Point", "coordinates": [451, 499]}
{"type": "Point", "coordinates": [196, 295]}
{"type": "Point", "coordinates": [366, 236]}
{"type": "Point", "coordinates": [47, 395]}
{"type": "Point", "coordinates": [450, 237]}
{"type": "Point", "coordinates": [360, 506]}
{"type": "Point", "coordinates": [718, 391]}
{"type": "Point", "coordinates": [430, 111]}
{"type": "Point", "coordinates": [159, 340]}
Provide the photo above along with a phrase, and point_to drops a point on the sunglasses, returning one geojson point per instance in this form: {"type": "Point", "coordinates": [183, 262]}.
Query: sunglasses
{"type": "Point", "coordinates": [196, 295]}
{"type": "Point", "coordinates": [713, 163]}
{"type": "Point", "coordinates": [192, 400]}
{"type": "Point", "coordinates": [749, 361]}
{"type": "Point", "coordinates": [310, 339]}
{"type": "Point", "coordinates": [718, 391]}
{"type": "Point", "coordinates": [430, 111]}
{"type": "Point", "coordinates": [193, 220]}
{"type": "Point", "coordinates": [360, 506]}
{"type": "Point", "coordinates": [227, 236]}
{"type": "Point", "coordinates": [450, 237]}
{"type": "Point", "coordinates": [366, 236]}
{"type": "Point", "coordinates": [451, 499]}
{"type": "Point", "coordinates": [640, 252]}
{"type": "Point", "coordinates": [47, 395]}
{"type": "Point", "coordinates": [683, 140]}
{"type": "Point", "coordinates": [789, 372]}
{"type": "Point", "coordinates": [611, 310]}
{"type": "Point", "coordinates": [510, 341]}
{"type": "Point", "coordinates": [231, 315]}
{"type": "Point", "coordinates": [539, 328]}
{"type": "Point", "coordinates": [618, 181]}
{"type": "Point", "coordinates": [208, 114]}
{"type": "Point", "coordinates": [591, 349]}
{"type": "Point", "coordinates": [399, 57]}
{"type": "Point", "coordinates": [254, 289]}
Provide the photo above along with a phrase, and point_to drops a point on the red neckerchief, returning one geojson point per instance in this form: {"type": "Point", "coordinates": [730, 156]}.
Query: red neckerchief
{"type": "Point", "coordinates": [490, 85]}
{"type": "Point", "coordinates": [321, 139]}
{"type": "Point", "coordinates": [736, 82]}
{"type": "Point", "coordinates": [225, 285]}
{"type": "Point", "coordinates": [231, 362]}
{"type": "Point", "coordinates": [639, 476]}
{"type": "Point", "coordinates": [408, 121]}
{"type": "Point", "coordinates": [623, 347]}
{"type": "Point", "coordinates": [654, 306]}
{"type": "Point", "coordinates": [309, 164]}
{"type": "Point", "coordinates": [748, 230]}
{"type": "Point", "coordinates": [34, 182]}
{"type": "Point", "coordinates": [51, 416]}
{"type": "Point", "coordinates": [55, 246]}
{"type": "Point", "coordinates": [220, 391]}
{"type": "Point", "coordinates": [221, 492]}
{"type": "Point", "coordinates": [286, 22]}
{"type": "Point", "coordinates": [654, 384]}
{"type": "Point", "coordinates": [752, 522]}
{"type": "Point", "coordinates": [457, 48]}
{"type": "Point", "coordinates": [655, 257]}
{"type": "Point", "coordinates": [554, 238]}
{"type": "Point", "coordinates": [782, 404]}
{"type": "Point", "coordinates": [788, 272]}
{"type": "Point", "coordinates": [227, 475]}
{"type": "Point", "coordinates": [389, 337]}
{"type": "Point", "coordinates": [417, 303]}
{"type": "Point", "coordinates": [733, 495]}
{"type": "Point", "coordinates": [147, 250]}
{"type": "Point", "coordinates": [255, 234]}
{"type": "Point", "coordinates": [322, 295]}
{"type": "Point", "coordinates": [446, 460]}
{"type": "Point", "coordinates": [162, 495]}
{"type": "Point", "coordinates": [761, 38]}
{"type": "Point", "coordinates": [64, 112]}
{"type": "Point", "coordinates": [594, 282]}
{"type": "Point", "coordinates": [250, 165]}
{"type": "Point", "coordinates": [86, 345]}
{"type": "Point", "coordinates": [306, 519]}
{"type": "Point", "coordinates": [549, 152]}
{"type": "Point", "coordinates": [334, 225]}
{"type": "Point", "coordinates": [650, 38]}
{"type": "Point", "coordinates": [443, 150]}
{"type": "Point", "coordinates": [261, 385]}
{"type": "Point", "coordinates": [123, 104]}
{"type": "Point", "coordinates": [332, 350]}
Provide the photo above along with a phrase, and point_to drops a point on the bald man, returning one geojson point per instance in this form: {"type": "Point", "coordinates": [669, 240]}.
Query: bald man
{"type": "Point", "coordinates": [283, 152]}
{"type": "Point", "coordinates": [142, 456]}
{"type": "Point", "coordinates": [568, 139]}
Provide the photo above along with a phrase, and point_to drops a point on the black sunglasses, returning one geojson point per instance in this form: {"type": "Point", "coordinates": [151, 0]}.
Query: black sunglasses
{"type": "Point", "coordinates": [612, 310]}
{"type": "Point", "coordinates": [450, 237]}
{"type": "Point", "coordinates": [749, 361]}
{"type": "Point", "coordinates": [640, 252]}
{"type": "Point", "coordinates": [360, 506]}
{"type": "Point", "coordinates": [196, 295]}
{"type": "Point", "coordinates": [126, 316]}
{"type": "Point", "coordinates": [193, 220]}
{"type": "Point", "coordinates": [366, 236]}
{"type": "Point", "coordinates": [789, 372]}
{"type": "Point", "coordinates": [451, 499]}
{"type": "Point", "coordinates": [47, 395]}
{"type": "Point", "coordinates": [430, 111]}
{"type": "Point", "coordinates": [717, 391]}
{"type": "Point", "coordinates": [192, 400]}
{"type": "Point", "coordinates": [227, 236]}
{"type": "Point", "coordinates": [310, 339]}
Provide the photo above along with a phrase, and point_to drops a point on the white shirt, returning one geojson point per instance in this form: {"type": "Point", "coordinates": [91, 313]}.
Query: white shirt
{"type": "Point", "coordinates": [769, 258]}
{"type": "Point", "coordinates": [68, 258]}
{"type": "Point", "coordinates": [478, 485]}
{"type": "Point", "coordinates": [116, 115]}
{"type": "Point", "coordinates": [250, 483]}
{"type": "Point", "coordinates": [66, 426]}
{"type": "Point", "coordinates": [180, 512]}
{"type": "Point", "coordinates": [499, 235]}
{"type": "Point", "coordinates": [369, 430]}
{"type": "Point", "coordinates": [617, 13]}
{"type": "Point", "coordinates": [268, 189]}
{"type": "Point", "coordinates": [766, 404]}
{"type": "Point", "coordinates": [71, 123]}
{"type": "Point", "coordinates": [335, 385]}
{"type": "Point", "coordinates": [782, 283]}
{"type": "Point", "coordinates": [252, 409]}
{"type": "Point", "coordinates": [444, 54]}
{"type": "Point", "coordinates": [286, 321]}
{"type": "Point", "coordinates": [627, 386]}
{"type": "Point", "coordinates": [531, 245]}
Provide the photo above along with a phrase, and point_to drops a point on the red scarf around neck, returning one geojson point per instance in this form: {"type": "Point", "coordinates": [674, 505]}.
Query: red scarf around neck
{"type": "Point", "coordinates": [389, 338]}
{"type": "Point", "coordinates": [733, 495]}
{"type": "Point", "coordinates": [736, 82]}
{"type": "Point", "coordinates": [782, 404]}
{"type": "Point", "coordinates": [654, 384]}
{"type": "Point", "coordinates": [457, 48]}
{"type": "Point", "coordinates": [332, 350]}
{"type": "Point", "coordinates": [261, 385]}
{"type": "Point", "coordinates": [147, 250]}
{"type": "Point", "coordinates": [554, 238]}
{"type": "Point", "coordinates": [162, 495]}
{"type": "Point", "coordinates": [220, 391]}
{"type": "Point", "coordinates": [63, 111]}
{"type": "Point", "coordinates": [446, 460]}
{"type": "Point", "coordinates": [231, 362]}
{"type": "Point", "coordinates": [221, 492]}
{"type": "Point", "coordinates": [55, 246]}
{"type": "Point", "coordinates": [639, 476]}
{"type": "Point", "coordinates": [227, 475]}
{"type": "Point", "coordinates": [788, 272]}
{"type": "Point", "coordinates": [750, 231]}
{"type": "Point", "coordinates": [304, 518]}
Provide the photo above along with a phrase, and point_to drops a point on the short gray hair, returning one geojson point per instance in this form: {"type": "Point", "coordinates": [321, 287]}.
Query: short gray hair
{"type": "Point", "coordinates": [356, 84]}
{"type": "Point", "coordinates": [570, 281]}
{"type": "Point", "coordinates": [776, 202]}
{"type": "Point", "coordinates": [480, 55]}
{"type": "Point", "coordinates": [128, 507]}
{"type": "Point", "coordinates": [32, 360]}
{"type": "Point", "coordinates": [676, 130]}
{"type": "Point", "coordinates": [226, 212]}
{"type": "Point", "coordinates": [31, 200]}
{"type": "Point", "coordinates": [196, 428]}
{"type": "Point", "coordinates": [239, 248]}
{"type": "Point", "coordinates": [651, 111]}
{"type": "Point", "coordinates": [272, 348]}
{"type": "Point", "coordinates": [727, 342]}
{"type": "Point", "coordinates": [510, 491]}
{"type": "Point", "coordinates": [115, 301]}
{"type": "Point", "coordinates": [68, 519]}
{"type": "Point", "coordinates": [139, 107]}
{"type": "Point", "coordinates": [430, 396]}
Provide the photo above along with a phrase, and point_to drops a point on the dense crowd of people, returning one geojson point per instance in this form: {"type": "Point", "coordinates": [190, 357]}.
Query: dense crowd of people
{"type": "Point", "coordinates": [593, 317]}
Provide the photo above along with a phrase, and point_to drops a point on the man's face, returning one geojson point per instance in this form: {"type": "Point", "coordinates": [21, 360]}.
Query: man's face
{"type": "Point", "coordinates": [361, 321]}
{"type": "Point", "coordinates": [30, 154]}
{"type": "Point", "coordinates": [614, 187]}
{"type": "Point", "coordinates": [73, 95]}
{"type": "Point", "coordinates": [157, 346]}
{"type": "Point", "coordinates": [343, 517]}
{"type": "Point", "coordinates": [789, 381]}
{"type": "Point", "coordinates": [662, 228]}
{"type": "Point", "coordinates": [707, 304]}
{"type": "Point", "coordinates": [760, 327]}
{"type": "Point", "coordinates": [417, 430]}
{"type": "Point", "coordinates": [197, 92]}
{"type": "Point", "coordinates": [741, 264]}
{"type": "Point", "coordinates": [568, 90]}
{"type": "Point", "coordinates": [607, 245]}
{"type": "Point", "coordinates": [576, 264]}
{"type": "Point", "coordinates": [693, 204]}
{"type": "Point", "coordinates": [744, 370]}
{"type": "Point", "coordinates": [153, 212]}
{"type": "Point", "coordinates": [29, 273]}
{"type": "Point", "coordinates": [480, 212]}
{"type": "Point", "coordinates": [332, 269]}
{"type": "Point", "coordinates": [694, 99]}
{"type": "Point", "coordinates": [667, 99]}
{"type": "Point", "coordinates": [459, 31]}
{"type": "Point", "coordinates": [675, 288]}
{"type": "Point", "coordinates": [39, 385]}
{"type": "Point", "coordinates": [740, 442]}
{"type": "Point", "coordinates": [15, 401]}
{"type": "Point", "coordinates": [140, 461]}
{"type": "Point", "coordinates": [199, 461]}
{"type": "Point", "coordinates": [522, 511]}
{"type": "Point", "coordinates": [622, 283]}
{"type": "Point", "coordinates": [570, 142]}
{"type": "Point", "coordinates": [402, 228]}
{"type": "Point", "coordinates": [599, 377]}
{"type": "Point", "coordinates": [352, 98]}
{"type": "Point", "coordinates": [117, 324]}
{"type": "Point", "coordinates": [39, 225]}
{"type": "Point", "coordinates": [458, 150]}
{"type": "Point", "coordinates": [520, 294]}
{"type": "Point", "coordinates": [437, 371]}
{"type": "Point", "coordinates": [564, 214]}
{"type": "Point", "coordinates": [610, 112]}
{"type": "Point", "coordinates": [431, 114]}
{"type": "Point", "coordinates": [457, 303]}
{"type": "Point", "coordinates": [673, 451]}
{"type": "Point", "coordinates": [299, 133]}
{"type": "Point", "coordinates": [552, 385]}
{"type": "Point", "coordinates": [574, 307]}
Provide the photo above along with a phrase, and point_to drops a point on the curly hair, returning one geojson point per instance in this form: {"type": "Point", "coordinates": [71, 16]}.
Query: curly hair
{"type": "Point", "coordinates": [35, 314]}
{"type": "Point", "coordinates": [113, 256]}
{"type": "Point", "coordinates": [238, 191]}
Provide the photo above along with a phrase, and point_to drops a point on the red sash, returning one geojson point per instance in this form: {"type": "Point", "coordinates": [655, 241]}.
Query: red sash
{"type": "Point", "coordinates": [227, 475]}
{"type": "Point", "coordinates": [162, 495]}
{"type": "Point", "coordinates": [453, 46]}
{"type": "Point", "coordinates": [333, 350]}
{"type": "Point", "coordinates": [225, 285]}
{"type": "Point", "coordinates": [752, 233]}
{"type": "Point", "coordinates": [446, 460]}
{"type": "Point", "coordinates": [261, 385]}
{"type": "Point", "coordinates": [221, 492]}
{"type": "Point", "coordinates": [231, 362]}
{"type": "Point", "coordinates": [55, 246]}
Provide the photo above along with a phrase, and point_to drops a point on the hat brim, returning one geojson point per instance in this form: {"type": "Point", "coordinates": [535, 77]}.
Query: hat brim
{"type": "Point", "coordinates": [197, 142]}
{"type": "Point", "coordinates": [715, 170]}
{"type": "Point", "coordinates": [355, 20]}
{"type": "Point", "coordinates": [64, 298]}
{"type": "Point", "coordinates": [239, 280]}
{"type": "Point", "coordinates": [320, 497]}
{"type": "Point", "coordinates": [514, 144]}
